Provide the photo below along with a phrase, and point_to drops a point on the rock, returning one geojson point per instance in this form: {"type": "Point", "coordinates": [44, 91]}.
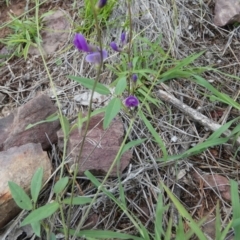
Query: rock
{"type": "Point", "coordinates": [18, 164]}
{"type": "Point", "coordinates": [13, 127]}
{"type": "Point", "coordinates": [226, 12]}
{"type": "Point", "coordinates": [215, 181]}
{"type": "Point", "coordinates": [101, 145]}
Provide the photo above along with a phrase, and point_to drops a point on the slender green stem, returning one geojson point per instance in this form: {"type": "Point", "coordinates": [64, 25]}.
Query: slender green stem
{"type": "Point", "coordinates": [129, 52]}
{"type": "Point", "coordinates": [62, 216]}
{"type": "Point", "coordinates": [61, 120]}
{"type": "Point", "coordinates": [99, 39]}
{"type": "Point", "coordinates": [105, 178]}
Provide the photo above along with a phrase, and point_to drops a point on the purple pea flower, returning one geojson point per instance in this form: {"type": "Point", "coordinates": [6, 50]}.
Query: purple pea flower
{"type": "Point", "coordinates": [80, 43]}
{"type": "Point", "coordinates": [123, 38]}
{"type": "Point", "coordinates": [134, 77]}
{"type": "Point", "coordinates": [114, 46]}
{"type": "Point", "coordinates": [94, 55]}
{"type": "Point", "coordinates": [131, 101]}
{"type": "Point", "coordinates": [101, 3]}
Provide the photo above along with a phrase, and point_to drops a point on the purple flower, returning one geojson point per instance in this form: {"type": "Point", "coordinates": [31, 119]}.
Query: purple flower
{"type": "Point", "coordinates": [114, 46]}
{"type": "Point", "coordinates": [101, 3]}
{"type": "Point", "coordinates": [95, 57]}
{"type": "Point", "coordinates": [123, 38]}
{"type": "Point", "coordinates": [134, 77]}
{"type": "Point", "coordinates": [131, 101]}
{"type": "Point", "coordinates": [80, 43]}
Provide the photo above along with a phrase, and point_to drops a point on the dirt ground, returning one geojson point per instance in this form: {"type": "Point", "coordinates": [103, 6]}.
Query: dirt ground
{"type": "Point", "coordinates": [193, 30]}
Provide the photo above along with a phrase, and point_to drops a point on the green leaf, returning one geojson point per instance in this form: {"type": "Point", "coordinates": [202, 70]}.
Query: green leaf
{"type": "Point", "coordinates": [60, 185]}
{"type": "Point", "coordinates": [19, 196]}
{"type": "Point", "coordinates": [133, 143]}
{"type": "Point", "coordinates": [112, 110]}
{"type": "Point", "coordinates": [104, 234]}
{"type": "Point", "coordinates": [89, 83]}
{"type": "Point", "coordinates": [41, 213]}
{"type": "Point", "coordinates": [36, 184]}
{"type": "Point", "coordinates": [36, 226]}
{"type": "Point", "coordinates": [52, 236]}
{"type": "Point", "coordinates": [77, 200]}
{"type": "Point", "coordinates": [121, 86]}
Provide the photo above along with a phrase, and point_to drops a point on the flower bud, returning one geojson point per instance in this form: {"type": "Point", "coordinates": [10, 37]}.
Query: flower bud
{"type": "Point", "coordinates": [101, 3]}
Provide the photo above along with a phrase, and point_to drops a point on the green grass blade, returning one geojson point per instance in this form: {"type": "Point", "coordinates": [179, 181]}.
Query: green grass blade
{"type": "Point", "coordinates": [77, 200]}
{"type": "Point", "coordinates": [160, 209]}
{"type": "Point", "coordinates": [51, 118]}
{"type": "Point", "coordinates": [180, 234]}
{"type": "Point", "coordinates": [190, 59]}
{"type": "Point", "coordinates": [169, 231]}
{"type": "Point", "coordinates": [225, 231]}
{"type": "Point", "coordinates": [134, 220]}
{"type": "Point", "coordinates": [133, 143]}
{"type": "Point", "coordinates": [220, 96]}
{"type": "Point", "coordinates": [103, 234]}
{"type": "Point", "coordinates": [185, 214]}
{"type": "Point", "coordinates": [235, 207]}
{"type": "Point", "coordinates": [155, 135]}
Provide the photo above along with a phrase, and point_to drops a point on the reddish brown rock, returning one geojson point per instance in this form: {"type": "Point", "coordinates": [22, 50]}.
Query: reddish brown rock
{"type": "Point", "coordinates": [13, 127]}
{"type": "Point", "coordinates": [226, 12]}
{"type": "Point", "coordinates": [100, 148]}
{"type": "Point", "coordinates": [18, 164]}
{"type": "Point", "coordinates": [215, 181]}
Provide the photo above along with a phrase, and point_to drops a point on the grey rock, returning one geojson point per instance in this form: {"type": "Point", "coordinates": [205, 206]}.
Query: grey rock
{"type": "Point", "coordinates": [226, 12]}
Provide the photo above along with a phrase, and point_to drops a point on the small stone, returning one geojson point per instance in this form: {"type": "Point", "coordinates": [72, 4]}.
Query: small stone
{"type": "Point", "coordinates": [226, 12]}
{"type": "Point", "coordinates": [100, 148]}
{"type": "Point", "coordinates": [13, 127]}
{"type": "Point", "coordinates": [18, 164]}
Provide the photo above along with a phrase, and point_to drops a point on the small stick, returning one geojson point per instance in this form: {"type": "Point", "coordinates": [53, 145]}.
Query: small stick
{"type": "Point", "coordinates": [195, 115]}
